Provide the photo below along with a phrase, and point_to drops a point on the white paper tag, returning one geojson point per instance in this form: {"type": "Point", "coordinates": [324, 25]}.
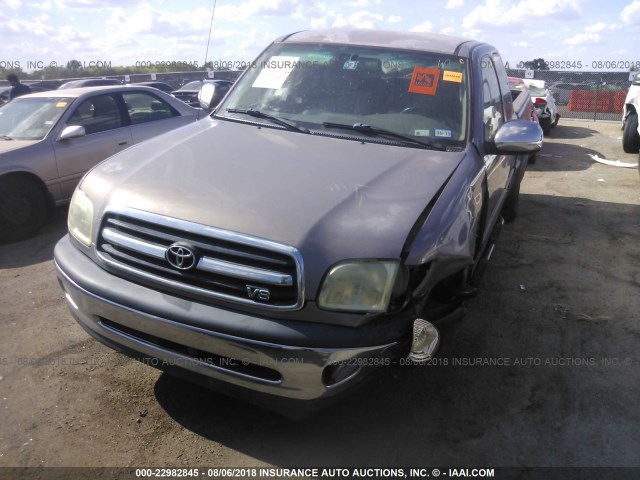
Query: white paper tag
{"type": "Point", "coordinates": [275, 72]}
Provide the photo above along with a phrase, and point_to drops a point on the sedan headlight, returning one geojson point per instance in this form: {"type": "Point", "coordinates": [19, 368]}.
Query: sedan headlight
{"type": "Point", "coordinates": [359, 286]}
{"type": "Point", "coordinates": [80, 220]}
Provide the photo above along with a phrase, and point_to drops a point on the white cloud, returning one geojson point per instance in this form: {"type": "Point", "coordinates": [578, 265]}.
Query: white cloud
{"type": "Point", "coordinates": [597, 27]}
{"type": "Point", "coordinates": [585, 38]}
{"type": "Point", "coordinates": [394, 19]}
{"type": "Point", "coordinates": [630, 14]}
{"type": "Point", "coordinates": [93, 4]}
{"type": "Point", "coordinates": [14, 4]}
{"type": "Point", "coordinates": [494, 13]}
{"type": "Point", "coordinates": [363, 19]}
{"type": "Point", "coordinates": [451, 4]}
{"type": "Point", "coordinates": [253, 8]}
{"type": "Point", "coordinates": [37, 27]}
{"type": "Point", "coordinates": [358, 3]}
{"type": "Point", "coordinates": [425, 26]}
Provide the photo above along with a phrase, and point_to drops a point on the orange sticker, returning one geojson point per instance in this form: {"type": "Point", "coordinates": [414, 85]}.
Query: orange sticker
{"type": "Point", "coordinates": [449, 76]}
{"type": "Point", "coordinates": [424, 80]}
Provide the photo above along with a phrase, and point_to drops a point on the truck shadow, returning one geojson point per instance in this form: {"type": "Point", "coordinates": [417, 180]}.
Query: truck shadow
{"type": "Point", "coordinates": [554, 157]}
{"type": "Point", "coordinates": [522, 379]}
{"type": "Point", "coordinates": [39, 248]}
{"type": "Point", "coordinates": [568, 132]}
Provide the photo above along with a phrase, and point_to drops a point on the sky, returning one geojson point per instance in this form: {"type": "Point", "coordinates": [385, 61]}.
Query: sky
{"type": "Point", "coordinates": [599, 34]}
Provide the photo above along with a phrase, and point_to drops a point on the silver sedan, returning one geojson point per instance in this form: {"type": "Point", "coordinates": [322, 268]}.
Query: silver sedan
{"type": "Point", "coordinates": [49, 140]}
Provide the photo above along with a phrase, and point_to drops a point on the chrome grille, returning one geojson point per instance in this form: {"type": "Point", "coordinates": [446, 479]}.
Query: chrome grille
{"type": "Point", "coordinates": [230, 266]}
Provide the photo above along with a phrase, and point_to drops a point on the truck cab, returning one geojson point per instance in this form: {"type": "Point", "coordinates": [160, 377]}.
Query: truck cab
{"type": "Point", "coordinates": [345, 195]}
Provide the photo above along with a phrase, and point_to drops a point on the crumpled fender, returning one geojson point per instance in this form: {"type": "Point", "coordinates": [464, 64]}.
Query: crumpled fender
{"type": "Point", "coordinates": [447, 234]}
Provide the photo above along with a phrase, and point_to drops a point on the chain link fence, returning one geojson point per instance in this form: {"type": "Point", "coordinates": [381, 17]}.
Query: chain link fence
{"type": "Point", "coordinates": [584, 95]}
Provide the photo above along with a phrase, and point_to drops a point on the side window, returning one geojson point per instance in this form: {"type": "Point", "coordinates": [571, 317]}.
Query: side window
{"type": "Point", "coordinates": [504, 84]}
{"type": "Point", "coordinates": [492, 99]}
{"type": "Point", "coordinates": [144, 107]}
{"type": "Point", "coordinates": [97, 114]}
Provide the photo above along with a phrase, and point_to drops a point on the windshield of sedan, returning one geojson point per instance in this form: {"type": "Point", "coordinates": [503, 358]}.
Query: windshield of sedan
{"type": "Point", "coordinates": [31, 118]}
{"type": "Point", "coordinates": [537, 91]}
{"type": "Point", "coordinates": [316, 86]}
{"type": "Point", "coordinates": [195, 85]}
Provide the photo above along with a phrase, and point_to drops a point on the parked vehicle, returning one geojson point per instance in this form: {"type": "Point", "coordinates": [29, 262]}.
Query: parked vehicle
{"type": "Point", "coordinates": [630, 129]}
{"type": "Point", "coordinates": [523, 104]}
{"type": "Point", "coordinates": [545, 105]}
{"type": "Point", "coordinates": [4, 94]}
{"type": "Point", "coordinates": [212, 93]}
{"type": "Point", "coordinates": [43, 85]}
{"type": "Point", "coordinates": [520, 95]}
{"type": "Point", "coordinates": [89, 82]}
{"type": "Point", "coordinates": [188, 93]}
{"type": "Point", "coordinates": [561, 91]}
{"type": "Point", "coordinates": [165, 87]}
{"type": "Point", "coordinates": [346, 193]}
{"type": "Point", "coordinates": [48, 140]}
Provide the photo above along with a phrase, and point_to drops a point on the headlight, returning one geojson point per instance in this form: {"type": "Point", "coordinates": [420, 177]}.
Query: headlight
{"type": "Point", "coordinates": [361, 286]}
{"type": "Point", "coordinates": [80, 220]}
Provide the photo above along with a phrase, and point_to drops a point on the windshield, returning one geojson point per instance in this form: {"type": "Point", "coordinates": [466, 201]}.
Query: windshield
{"type": "Point", "coordinates": [537, 91]}
{"type": "Point", "coordinates": [31, 118]}
{"type": "Point", "coordinates": [192, 85]}
{"type": "Point", "coordinates": [417, 94]}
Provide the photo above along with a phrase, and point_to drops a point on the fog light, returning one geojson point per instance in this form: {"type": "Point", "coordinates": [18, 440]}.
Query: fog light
{"type": "Point", "coordinates": [425, 341]}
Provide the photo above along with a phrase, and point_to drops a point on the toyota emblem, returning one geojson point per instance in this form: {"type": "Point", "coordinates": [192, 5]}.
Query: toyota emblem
{"type": "Point", "coordinates": [181, 256]}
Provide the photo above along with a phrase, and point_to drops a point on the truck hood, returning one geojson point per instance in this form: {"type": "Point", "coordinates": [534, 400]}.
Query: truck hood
{"type": "Point", "coordinates": [331, 198]}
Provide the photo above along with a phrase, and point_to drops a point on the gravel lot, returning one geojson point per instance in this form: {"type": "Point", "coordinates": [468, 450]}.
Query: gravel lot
{"type": "Point", "coordinates": [543, 370]}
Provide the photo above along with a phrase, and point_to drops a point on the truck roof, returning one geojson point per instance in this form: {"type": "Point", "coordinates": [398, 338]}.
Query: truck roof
{"type": "Point", "coordinates": [430, 42]}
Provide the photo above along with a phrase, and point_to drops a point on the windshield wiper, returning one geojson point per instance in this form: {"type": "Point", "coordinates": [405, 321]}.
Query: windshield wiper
{"type": "Point", "coordinates": [258, 114]}
{"type": "Point", "coordinates": [361, 127]}
{"type": "Point", "coordinates": [5, 137]}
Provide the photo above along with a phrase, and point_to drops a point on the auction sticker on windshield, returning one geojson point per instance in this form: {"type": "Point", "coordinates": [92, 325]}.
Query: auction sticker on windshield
{"type": "Point", "coordinates": [275, 72]}
{"type": "Point", "coordinates": [424, 80]}
{"type": "Point", "coordinates": [449, 76]}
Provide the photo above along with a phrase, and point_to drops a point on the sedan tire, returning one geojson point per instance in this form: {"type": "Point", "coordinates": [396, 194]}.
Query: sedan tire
{"type": "Point", "coordinates": [23, 209]}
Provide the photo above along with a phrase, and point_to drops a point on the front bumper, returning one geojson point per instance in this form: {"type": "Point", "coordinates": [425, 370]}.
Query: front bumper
{"type": "Point", "coordinates": [164, 331]}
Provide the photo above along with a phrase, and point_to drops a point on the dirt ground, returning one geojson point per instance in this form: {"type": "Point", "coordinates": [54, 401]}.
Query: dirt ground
{"type": "Point", "coordinates": [543, 370]}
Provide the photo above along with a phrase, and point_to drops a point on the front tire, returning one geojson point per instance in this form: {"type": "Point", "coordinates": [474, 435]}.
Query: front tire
{"type": "Point", "coordinates": [23, 209]}
{"type": "Point", "coordinates": [630, 136]}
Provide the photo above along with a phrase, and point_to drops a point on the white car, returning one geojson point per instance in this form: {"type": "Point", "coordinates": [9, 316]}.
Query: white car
{"type": "Point", "coordinates": [631, 132]}
{"type": "Point", "coordinates": [544, 103]}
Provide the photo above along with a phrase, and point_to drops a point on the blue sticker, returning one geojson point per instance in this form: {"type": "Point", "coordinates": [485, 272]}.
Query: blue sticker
{"type": "Point", "coordinates": [443, 133]}
{"type": "Point", "coordinates": [350, 65]}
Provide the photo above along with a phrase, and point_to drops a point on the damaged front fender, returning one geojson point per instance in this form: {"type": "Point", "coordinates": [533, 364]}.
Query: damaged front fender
{"type": "Point", "coordinates": [449, 237]}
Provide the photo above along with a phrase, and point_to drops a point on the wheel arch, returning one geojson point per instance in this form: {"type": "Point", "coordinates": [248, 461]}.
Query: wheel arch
{"type": "Point", "coordinates": [31, 177]}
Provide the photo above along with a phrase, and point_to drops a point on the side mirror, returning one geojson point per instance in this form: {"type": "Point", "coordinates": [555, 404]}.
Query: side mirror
{"type": "Point", "coordinates": [206, 96]}
{"type": "Point", "coordinates": [636, 79]}
{"type": "Point", "coordinates": [72, 131]}
{"type": "Point", "coordinates": [517, 136]}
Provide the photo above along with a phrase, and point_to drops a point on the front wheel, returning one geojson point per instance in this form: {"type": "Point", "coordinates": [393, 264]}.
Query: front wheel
{"type": "Point", "coordinates": [630, 136]}
{"type": "Point", "coordinates": [23, 209]}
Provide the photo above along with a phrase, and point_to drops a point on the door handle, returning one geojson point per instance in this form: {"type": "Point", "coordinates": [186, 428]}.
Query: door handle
{"type": "Point", "coordinates": [124, 142]}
